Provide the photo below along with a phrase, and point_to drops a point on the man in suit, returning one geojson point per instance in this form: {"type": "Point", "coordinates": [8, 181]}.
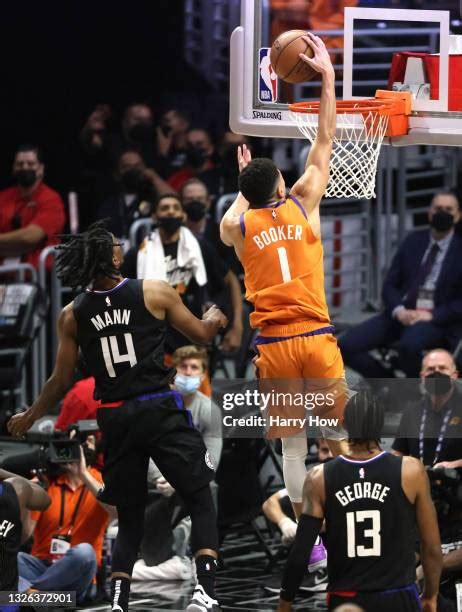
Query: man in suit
{"type": "Point", "coordinates": [422, 295]}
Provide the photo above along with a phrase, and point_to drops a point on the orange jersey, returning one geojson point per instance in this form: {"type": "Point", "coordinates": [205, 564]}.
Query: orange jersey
{"type": "Point", "coordinates": [283, 265]}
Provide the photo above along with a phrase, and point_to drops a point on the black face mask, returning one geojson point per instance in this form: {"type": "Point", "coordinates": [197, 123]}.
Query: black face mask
{"type": "Point", "coordinates": [437, 384]}
{"type": "Point", "coordinates": [25, 178]}
{"type": "Point", "coordinates": [131, 180]}
{"type": "Point", "coordinates": [442, 221]}
{"type": "Point", "coordinates": [196, 157]}
{"type": "Point", "coordinates": [141, 132]}
{"type": "Point", "coordinates": [195, 210]}
{"type": "Point", "coordinates": [170, 224]}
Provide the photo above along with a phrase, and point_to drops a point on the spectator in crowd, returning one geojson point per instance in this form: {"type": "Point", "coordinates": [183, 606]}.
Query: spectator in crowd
{"type": "Point", "coordinates": [31, 214]}
{"type": "Point", "coordinates": [138, 189]}
{"type": "Point", "coordinates": [172, 141]}
{"type": "Point", "coordinates": [422, 295]}
{"type": "Point", "coordinates": [200, 162]}
{"type": "Point", "coordinates": [138, 132]}
{"type": "Point", "coordinates": [431, 430]}
{"type": "Point", "coordinates": [18, 496]}
{"type": "Point", "coordinates": [228, 162]}
{"type": "Point", "coordinates": [68, 536]}
{"type": "Point", "coordinates": [431, 427]}
{"type": "Point", "coordinates": [197, 203]}
{"type": "Point", "coordinates": [191, 364]}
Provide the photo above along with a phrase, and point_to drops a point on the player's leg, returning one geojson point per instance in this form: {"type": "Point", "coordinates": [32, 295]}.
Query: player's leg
{"type": "Point", "coordinates": [278, 367]}
{"type": "Point", "coordinates": [180, 454]}
{"type": "Point", "coordinates": [324, 375]}
{"type": "Point", "coordinates": [125, 486]}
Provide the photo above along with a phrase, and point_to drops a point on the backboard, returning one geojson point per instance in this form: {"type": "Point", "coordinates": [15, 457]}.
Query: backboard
{"type": "Point", "coordinates": [362, 52]}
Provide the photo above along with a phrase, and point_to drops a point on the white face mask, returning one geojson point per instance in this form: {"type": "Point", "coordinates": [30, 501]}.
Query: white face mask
{"type": "Point", "coordinates": [187, 384]}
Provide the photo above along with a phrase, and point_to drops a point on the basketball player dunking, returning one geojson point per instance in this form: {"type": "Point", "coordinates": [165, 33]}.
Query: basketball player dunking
{"type": "Point", "coordinates": [120, 326]}
{"type": "Point", "coordinates": [278, 241]}
{"type": "Point", "coordinates": [371, 502]}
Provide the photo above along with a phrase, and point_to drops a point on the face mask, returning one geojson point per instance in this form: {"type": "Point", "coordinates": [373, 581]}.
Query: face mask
{"type": "Point", "coordinates": [196, 157]}
{"type": "Point", "coordinates": [170, 224]}
{"type": "Point", "coordinates": [141, 132]}
{"type": "Point", "coordinates": [131, 180]}
{"type": "Point", "coordinates": [187, 384]}
{"type": "Point", "coordinates": [437, 384]}
{"type": "Point", "coordinates": [25, 178]}
{"type": "Point", "coordinates": [442, 221]}
{"type": "Point", "coordinates": [195, 210]}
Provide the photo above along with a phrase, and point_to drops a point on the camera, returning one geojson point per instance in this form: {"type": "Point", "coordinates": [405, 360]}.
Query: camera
{"type": "Point", "coordinates": [446, 492]}
{"type": "Point", "coordinates": [43, 452]}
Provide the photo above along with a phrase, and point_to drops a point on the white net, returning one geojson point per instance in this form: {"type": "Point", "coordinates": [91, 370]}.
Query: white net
{"type": "Point", "coordinates": [355, 151]}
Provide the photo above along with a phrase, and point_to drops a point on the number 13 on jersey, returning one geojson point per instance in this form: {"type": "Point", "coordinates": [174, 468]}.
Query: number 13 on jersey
{"type": "Point", "coordinates": [111, 353]}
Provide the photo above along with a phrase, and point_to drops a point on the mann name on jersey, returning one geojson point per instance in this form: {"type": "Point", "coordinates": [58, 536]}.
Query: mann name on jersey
{"type": "Point", "coordinates": [116, 317]}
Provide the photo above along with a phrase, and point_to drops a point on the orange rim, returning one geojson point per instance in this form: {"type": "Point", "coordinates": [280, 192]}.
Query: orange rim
{"type": "Point", "coordinates": [348, 107]}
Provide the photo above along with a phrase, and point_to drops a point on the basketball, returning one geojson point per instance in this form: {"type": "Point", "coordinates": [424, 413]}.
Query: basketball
{"type": "Point", "coordinates": [285, 58]}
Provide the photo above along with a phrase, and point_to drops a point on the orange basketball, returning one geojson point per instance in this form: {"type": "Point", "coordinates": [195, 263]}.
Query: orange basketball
{"type": "Point", "coordinates": [285, 60]}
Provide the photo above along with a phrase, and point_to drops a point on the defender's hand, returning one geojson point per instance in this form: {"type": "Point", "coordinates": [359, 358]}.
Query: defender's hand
{"type": "Point", "coordinates": [215, 316]}
{"type": "Point", "coordinates": [244, 157]}
{"type": "Point", "coordinates": [320, 61]}
{"type": "Point", "coordinates": [20, 423]}
{"type": "Point", "coordinates": [429, 605]}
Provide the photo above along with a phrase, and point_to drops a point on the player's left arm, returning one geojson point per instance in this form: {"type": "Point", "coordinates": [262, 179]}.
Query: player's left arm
{"type": "Point", "coordinates": [230, 228]}
{"type": "Point", "coordinates": [309, 526]}
{"type": "Point", "coordinates": [311, 186]}
{"type": "Point", "coordinates": [60, 380]}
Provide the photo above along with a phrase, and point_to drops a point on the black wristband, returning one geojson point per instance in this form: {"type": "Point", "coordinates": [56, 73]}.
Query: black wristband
{"type": "Point", "coordinates": [307, 531]}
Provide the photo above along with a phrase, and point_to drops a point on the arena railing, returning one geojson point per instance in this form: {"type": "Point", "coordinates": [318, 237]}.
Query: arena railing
{"type": "Point", "coordinates": [24, 272]}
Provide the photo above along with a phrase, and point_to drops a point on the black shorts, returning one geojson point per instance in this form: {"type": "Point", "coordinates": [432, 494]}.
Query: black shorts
{"type": "Point", "coordinates": [156, 425]}
{"type": "Point", "coordinates": [395, 600]}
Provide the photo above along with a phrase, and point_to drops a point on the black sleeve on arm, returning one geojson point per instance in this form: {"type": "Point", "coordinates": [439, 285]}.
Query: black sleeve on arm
{"type": "Point", "coordinates": [307, 531]}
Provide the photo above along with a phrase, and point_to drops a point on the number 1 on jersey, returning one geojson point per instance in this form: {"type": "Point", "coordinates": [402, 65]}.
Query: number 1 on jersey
{"type": "Point", "coordinates": [284, 263]}
{"type": "Point", "coordinates": [116, 357]}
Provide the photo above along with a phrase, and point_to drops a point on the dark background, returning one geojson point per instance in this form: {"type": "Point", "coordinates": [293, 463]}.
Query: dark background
{"type": "Point", "coordinates": [59, 59]}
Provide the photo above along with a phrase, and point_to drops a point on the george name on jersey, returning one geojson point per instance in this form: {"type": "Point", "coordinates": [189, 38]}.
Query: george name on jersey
{"type": "Point", "coordinates": [278, 233]}
{"type": "Point", "coordinates": [362, 490]}
{"type": "Point", "coordinates": [116, 317]}
{"type": "Point", "coordinates": [5, 527]}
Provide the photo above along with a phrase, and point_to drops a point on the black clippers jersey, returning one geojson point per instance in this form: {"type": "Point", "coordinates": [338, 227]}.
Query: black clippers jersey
{"type": "Point", "coordinates": [10, 537]}
{"type": "Point", "coordinates": [370, 525]}
{"type": "Point", "coordinates": [121, 342]}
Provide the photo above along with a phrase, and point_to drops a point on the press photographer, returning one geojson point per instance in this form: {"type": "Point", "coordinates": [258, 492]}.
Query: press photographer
{"type": "Point", "coordinates": [68, 536]}
{"type": "Point", "coordinates": [431, 430]}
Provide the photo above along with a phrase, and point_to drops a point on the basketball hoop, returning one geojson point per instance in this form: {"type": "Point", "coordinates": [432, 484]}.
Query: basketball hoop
{"type": "Point", "coordinates": [361, 128]}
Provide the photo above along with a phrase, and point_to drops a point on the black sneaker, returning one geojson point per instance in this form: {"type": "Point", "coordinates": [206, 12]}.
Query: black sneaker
{"type": "Point", "coordinates": [201, 602]}
{"type": "Point", "coordinates": [315, 582]}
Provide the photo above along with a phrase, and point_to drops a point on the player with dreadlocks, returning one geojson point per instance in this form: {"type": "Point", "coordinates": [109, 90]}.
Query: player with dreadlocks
{"type": "Point", "coordinates": [119, 325]}
{"type": "Point", "coordinates": [371, 502]}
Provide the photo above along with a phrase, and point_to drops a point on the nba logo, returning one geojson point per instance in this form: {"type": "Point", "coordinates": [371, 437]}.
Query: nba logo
{"type": "Point", "coordinates": [268, 81]}
{"type": "Point", "coordinates": [108, 302]}
{"type": "Point", "coordinates": [361, 472]}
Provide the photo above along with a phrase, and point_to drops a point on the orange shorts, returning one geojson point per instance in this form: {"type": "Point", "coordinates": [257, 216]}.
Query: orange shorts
{"type": "Point", "coordinates": [298, 363]}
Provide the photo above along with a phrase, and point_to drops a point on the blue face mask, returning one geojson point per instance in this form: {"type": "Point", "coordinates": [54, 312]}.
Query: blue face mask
{"type": "Point", "coordinates": [187, 384]}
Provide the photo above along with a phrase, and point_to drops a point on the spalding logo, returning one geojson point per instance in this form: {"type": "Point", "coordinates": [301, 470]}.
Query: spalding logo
{"type": "Point", "coordinates": [208, 461]}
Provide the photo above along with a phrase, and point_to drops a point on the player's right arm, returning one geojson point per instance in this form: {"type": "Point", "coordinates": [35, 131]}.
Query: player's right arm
{"type": "Point", "coordinates": [162, 300]}
{"type": "Point", "coordinates": [61, 378]}
{"type": "Point", "coordinates": [415, 476]}
{"type": "Point", "coordinates": [311, 186]}
{"type": "Point", "coordinates": [309, 526]}
{"type": "Point", "coordinates": [230, 226]}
